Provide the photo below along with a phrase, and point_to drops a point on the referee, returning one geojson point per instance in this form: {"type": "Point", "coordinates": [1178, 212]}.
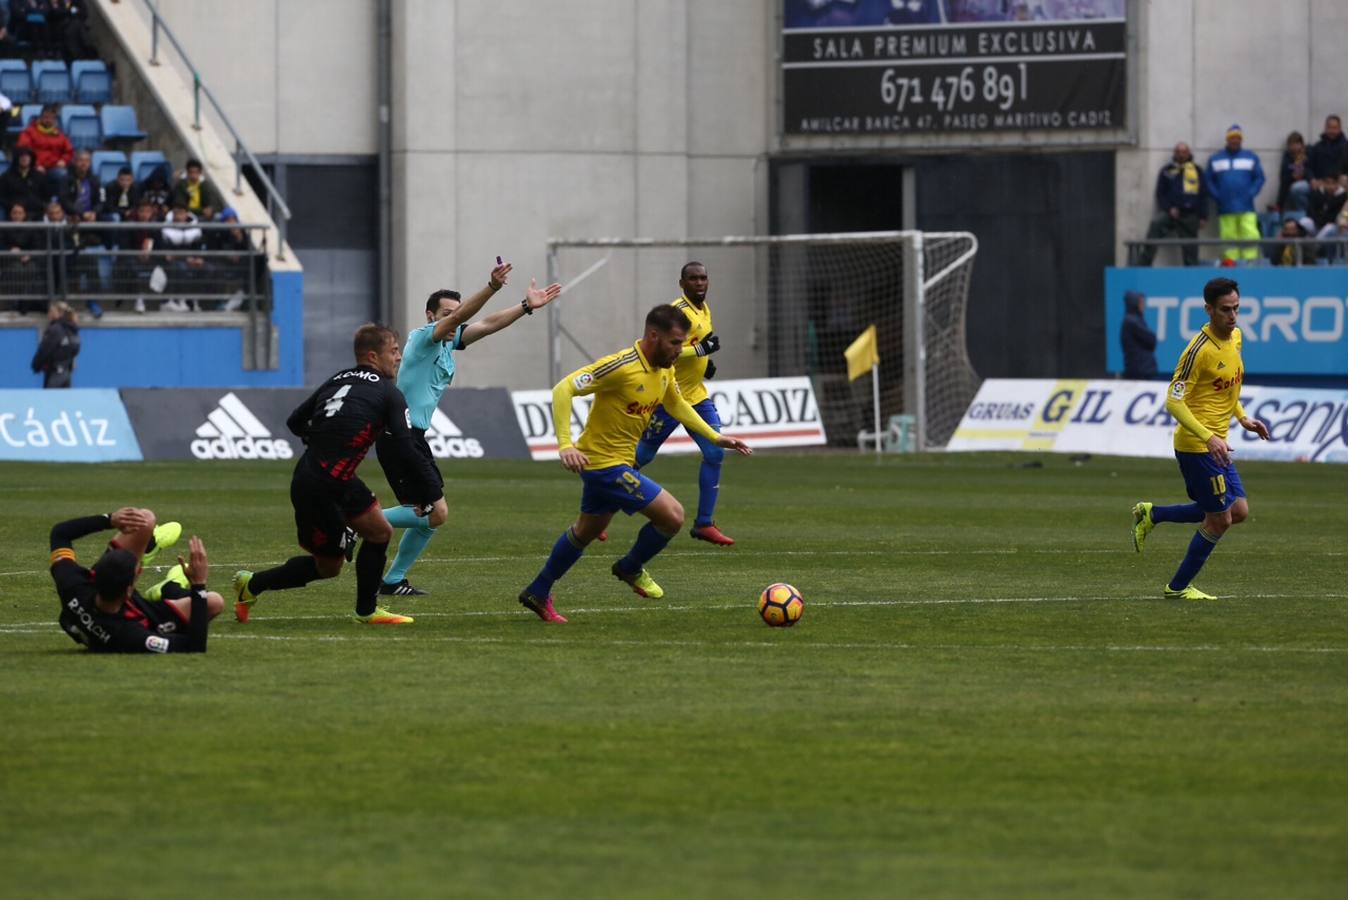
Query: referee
{"type": "Point", "coordinates": [427, 369]}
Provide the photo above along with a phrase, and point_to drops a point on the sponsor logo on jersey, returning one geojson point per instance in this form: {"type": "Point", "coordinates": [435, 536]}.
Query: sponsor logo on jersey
{"type": "Point", "coordinates": [581, 380]}
{"type": "Point", "coordinates": [156, 644]}
{"type": "Point", "coordinates": [231, 431]}
{"type": "Point", "coordinates": [447, 441]}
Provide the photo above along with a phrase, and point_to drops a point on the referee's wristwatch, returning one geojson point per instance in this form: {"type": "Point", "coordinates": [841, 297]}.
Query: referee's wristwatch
{"type": "Point", "coordinates": [524, 305]}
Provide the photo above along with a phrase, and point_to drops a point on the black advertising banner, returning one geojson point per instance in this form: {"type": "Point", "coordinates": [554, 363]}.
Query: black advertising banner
{"type": "Point", "coordinates": [930, 66]}
{"type": "Point", "coordinates": [476, 423]}
{"type": "Point", "coordinates": [219, 423]}
{"type": "Point", "coordinates": [214, 423]}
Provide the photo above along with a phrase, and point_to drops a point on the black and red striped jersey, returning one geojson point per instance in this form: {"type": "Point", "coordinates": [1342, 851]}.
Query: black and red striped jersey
{"type": "Point", "coordinates": [341, 420]}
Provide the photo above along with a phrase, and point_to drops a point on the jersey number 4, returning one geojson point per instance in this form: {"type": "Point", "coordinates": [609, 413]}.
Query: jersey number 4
{"type": "Point", "coordinates": [334, 403]}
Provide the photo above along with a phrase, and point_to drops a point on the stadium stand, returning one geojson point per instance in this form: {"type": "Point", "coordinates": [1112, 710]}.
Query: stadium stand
{"type": "Point", "coordinates": [51, 81]}
{"type": "Point", "coordinates": [92, 80]}
{"type": "Point", "coordinates": [106, 164]}
{"type": "Point", "coordinates": [120, 125]}
{"type": "Point", "coordinates": [80, 123]}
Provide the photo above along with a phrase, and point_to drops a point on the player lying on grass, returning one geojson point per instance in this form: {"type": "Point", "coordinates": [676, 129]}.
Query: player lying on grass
{"type": "Point", "coordinates": [628, 386]}
{"type": "Point", "coordinates": [100, 607]}
{"type": "Point", "coordinates": [338, 423]}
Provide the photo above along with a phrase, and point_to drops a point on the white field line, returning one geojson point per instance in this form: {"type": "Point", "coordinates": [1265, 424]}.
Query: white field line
{"type": "Point", "coordinates": [43, 628]}
{"type": "Point", "coordinates": [771, 554]}
{"type": "Point", "coordinates": [794, 646]}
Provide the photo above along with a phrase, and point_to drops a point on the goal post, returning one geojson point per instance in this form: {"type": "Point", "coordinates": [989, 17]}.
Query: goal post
{"type": "Point", "coordinates": [788, 305]}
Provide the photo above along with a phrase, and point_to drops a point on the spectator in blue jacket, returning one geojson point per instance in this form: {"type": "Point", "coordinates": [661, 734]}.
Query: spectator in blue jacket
{"type": "Point", "coordinates": [1183, 202]}
{"type": "Point", "coordinates": [1234, 178]}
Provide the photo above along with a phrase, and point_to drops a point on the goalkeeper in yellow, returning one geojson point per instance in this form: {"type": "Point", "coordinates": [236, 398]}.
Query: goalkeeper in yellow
{"type": "Point", "coordinates": [627, 387]}
{"type": "Point", "coordinates": [1204, 394]}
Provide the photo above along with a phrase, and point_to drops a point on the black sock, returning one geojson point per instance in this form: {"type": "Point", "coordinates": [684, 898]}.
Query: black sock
{"type": "Point", "coordinates": [369, 574]}
{"type": "Point", "coordinates": [293, 573]}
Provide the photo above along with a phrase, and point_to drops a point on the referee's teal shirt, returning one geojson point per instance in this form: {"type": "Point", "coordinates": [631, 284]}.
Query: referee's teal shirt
{"type": "Point", "coordinates": [427, 369]}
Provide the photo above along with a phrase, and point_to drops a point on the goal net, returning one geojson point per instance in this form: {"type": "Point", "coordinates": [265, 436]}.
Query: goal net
{"type": "Point", "coordinates": [790, 305]}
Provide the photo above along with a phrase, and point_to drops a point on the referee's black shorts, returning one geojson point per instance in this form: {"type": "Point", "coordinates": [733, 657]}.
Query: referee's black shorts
{"type": "Point", "coordinates": [323, 507]}
{"type": "Point", "coordinates": [413, 484]}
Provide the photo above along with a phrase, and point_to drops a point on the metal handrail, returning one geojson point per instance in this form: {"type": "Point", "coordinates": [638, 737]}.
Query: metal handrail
{"type": "Point", "coordinates": [1134, 248]}
{"type": "Point", "coordinates": [240, 148]}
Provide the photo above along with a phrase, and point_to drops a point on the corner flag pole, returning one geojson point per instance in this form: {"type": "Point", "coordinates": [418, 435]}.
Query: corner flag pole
{"type": "Point", "coordinates": [875, 399]}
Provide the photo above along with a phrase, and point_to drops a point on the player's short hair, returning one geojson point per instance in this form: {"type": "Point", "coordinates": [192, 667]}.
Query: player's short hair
{"type": "Point", "coordinates": [114, 572]}
{"type": "Point", "coordinates": [683, 273]}
{"type": "Point", "coordinates": [371, 338]}
{"type": "Point", "coordinates": [194, 163]}
{"type": "Point", "coordinates": [1217, 288]}
{"type": "Point", "coordinates": [666, 318]}
{"type": "Point", "coordinates": [433, 301]}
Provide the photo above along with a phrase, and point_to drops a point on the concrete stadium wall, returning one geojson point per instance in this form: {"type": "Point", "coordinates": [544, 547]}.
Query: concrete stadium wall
{"type": "Point", "coordinates": [1204, 64]}
{"type": "Point", "coordinates": [516, 121]}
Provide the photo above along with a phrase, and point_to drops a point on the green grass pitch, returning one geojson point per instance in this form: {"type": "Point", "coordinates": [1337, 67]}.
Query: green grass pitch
{"type": "Point", "coordinates": [986, 697]}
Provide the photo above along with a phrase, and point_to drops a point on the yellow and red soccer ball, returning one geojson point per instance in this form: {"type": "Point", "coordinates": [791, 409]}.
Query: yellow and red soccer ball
{"type": "Point", "coordinates": [780, 605]}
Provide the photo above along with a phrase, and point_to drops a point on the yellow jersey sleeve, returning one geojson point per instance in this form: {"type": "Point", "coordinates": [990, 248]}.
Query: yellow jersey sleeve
{"type": "Point", "coordinates": [583, 381]}
{"type": "Point", "coordinates": [691, 369]}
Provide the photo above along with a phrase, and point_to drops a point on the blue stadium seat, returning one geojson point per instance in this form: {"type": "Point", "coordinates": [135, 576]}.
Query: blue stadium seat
{"type": "Point", "coordinates": [15, 82]}
{"type": "Point", "coordinates": [51, 80]}
{"type": "Point", "coordinates": [143, 162]}
{"type": "Point", "coordinates": [119, 124]}
{"type": "Point", "coordinates": [92, 80]}
{"type": "Point", "coordinates": [80, 123]}
{"type": "Point", "coordinates": [30, 112]}
{"type": "Point", "coordinates": [106, 163]}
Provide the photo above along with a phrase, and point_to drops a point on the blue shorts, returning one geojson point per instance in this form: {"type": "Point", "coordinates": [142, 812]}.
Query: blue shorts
{"type": "Point", "coordinates": [616, 488]}
{"type": "Point", "coordinates": [1212, 486]}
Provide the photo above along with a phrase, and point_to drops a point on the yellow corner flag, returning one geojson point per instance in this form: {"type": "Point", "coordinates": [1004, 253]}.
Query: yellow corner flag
{"type": "Point", "coordinates": [862, 354]}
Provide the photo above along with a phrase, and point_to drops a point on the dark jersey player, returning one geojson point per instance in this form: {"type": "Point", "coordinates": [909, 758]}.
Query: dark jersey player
{"type": "Point", "coordinates": [339, 423]}
{"type": "Point", "coordinates": [100, 607]}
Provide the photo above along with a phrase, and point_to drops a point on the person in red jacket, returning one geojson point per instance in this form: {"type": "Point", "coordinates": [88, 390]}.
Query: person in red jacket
{"type": "Point", "coordinates": [49, 142]}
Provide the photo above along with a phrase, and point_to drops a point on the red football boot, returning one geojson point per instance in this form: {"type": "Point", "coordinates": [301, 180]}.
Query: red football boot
{"type": "Point", "coordinates": [712, 535]}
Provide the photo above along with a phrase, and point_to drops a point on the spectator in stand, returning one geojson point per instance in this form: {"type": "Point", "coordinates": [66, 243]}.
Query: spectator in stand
{"type": "Point", "coordinates": [60, 344]}
{"type": "Point", "coordinates": [51, 145]}
{"type": "Point", "coordinates": [1327, 157]}
{"type": "Point", "coordinates": [1183, 202]}
{"type": "Point", "coordinates": [77, 39]}
{"type": "Point", "coordinates": [19, 272]}
{"type": "Point", "coordinates": [1326, 204]}
{"type": "Point", "coordinates": [1234, 177]}
{"type": "Point", "coordinates": [1139, 341]}
{"type": "Point", "coordinates": [22, 183]}
{"type": "Point", "coordinates": [120, 198]}
{"type": "Point", "coordinates": [196, 194]}
{"type": "Point", "coordinates": [1294, 175]}
{"type": "Point", "coordinates": [134, 267]}
{"type": "Point", "coordinates": [82, 194]}
{"type": "Point", "coordinates": [155, 189]}
{"type": "Point", "coordinates": [1289, 254]}
{"type": "Point", "coordinates": [236, 242]}
{"type": "Point", "coordinates": [180, 238]}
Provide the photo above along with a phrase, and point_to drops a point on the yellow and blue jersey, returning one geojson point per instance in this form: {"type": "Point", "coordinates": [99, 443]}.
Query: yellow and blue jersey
{"type": "Point", "coordinates": [691, 369]}
{"type": "Point", "coordinates": [627, 390]}
{"type": "Point", "coordinates": [1207, 380]}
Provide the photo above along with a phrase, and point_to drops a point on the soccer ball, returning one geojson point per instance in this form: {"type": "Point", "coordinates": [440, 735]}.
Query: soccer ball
{"type": "Point", "coordinates": [780, 605]}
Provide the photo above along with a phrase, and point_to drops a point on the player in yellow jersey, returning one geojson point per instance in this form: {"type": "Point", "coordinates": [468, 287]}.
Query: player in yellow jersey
{"type": "Point", "coordinates": [692, 367]}
{"type": "Point", "coordinates": [627, 387]}
{"type": "Point", "coordinates": [1204, 394]}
